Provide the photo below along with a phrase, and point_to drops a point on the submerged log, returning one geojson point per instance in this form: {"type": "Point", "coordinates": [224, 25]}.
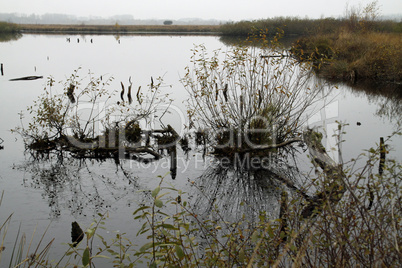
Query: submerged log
{"type": "Point", "coordinates": [70, 93]}
{"type": "Point", "coordinates": [336, 188]}
{"type": "Point", "coordinates": [101, 147]}
{"type": "Point", "coordinates": [27, 78]}
{"type": "Point", "coordinates": [276, 56]}
{"type": "Point", "coordinates": [333, 172]}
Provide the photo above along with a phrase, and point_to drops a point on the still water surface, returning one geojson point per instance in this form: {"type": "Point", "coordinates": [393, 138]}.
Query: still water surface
{"type": "Point", "coordinates": [59, 192]}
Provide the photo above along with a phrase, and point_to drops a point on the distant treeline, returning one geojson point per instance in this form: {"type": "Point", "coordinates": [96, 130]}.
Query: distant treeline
{"type": "Point", "coordinates": [290, 26]}
{"type": "Point", "coordinates": [297, 26]}
{"type": "Point", "coordinates": [124, 19]}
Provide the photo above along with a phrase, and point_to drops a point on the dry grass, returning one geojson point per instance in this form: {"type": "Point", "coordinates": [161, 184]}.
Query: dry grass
{"type": "Point", "coordinates": [6, 27]}
{"type": "Point", "coordinates": [355, 55]}
{"type": "Point", "coordinates": [372, 55]}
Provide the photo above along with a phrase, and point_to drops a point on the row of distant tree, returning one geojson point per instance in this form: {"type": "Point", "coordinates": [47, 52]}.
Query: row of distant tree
{"type": "Point", "coordinates": [93, 20]}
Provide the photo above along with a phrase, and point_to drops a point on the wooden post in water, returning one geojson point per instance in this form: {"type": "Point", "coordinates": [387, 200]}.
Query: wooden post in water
{"type": "Point", "coordinates": [173, 161]}
{"type": "Point", "coordinates": [2, 72]}
{"type": "Point", "coordinates": [382, 156]}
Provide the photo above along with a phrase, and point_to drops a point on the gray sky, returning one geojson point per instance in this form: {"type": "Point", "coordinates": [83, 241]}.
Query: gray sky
{"type": "Point", "coordinates": [204, 9]}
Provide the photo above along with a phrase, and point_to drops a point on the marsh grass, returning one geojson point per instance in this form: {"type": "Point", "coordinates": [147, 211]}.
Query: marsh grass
{"type": "Point", "coordinates": [6, 27]}
{"type": "Point", "coordinates": [9, 31]}
{"type": "Point", "coordinates": [354, 56]}
{"type": "Point", "coordinates": [290, 25]}
{"type": "Point", "coordinates": [304, 27]}
{"type": "Point", "coordinates": [361, 48]}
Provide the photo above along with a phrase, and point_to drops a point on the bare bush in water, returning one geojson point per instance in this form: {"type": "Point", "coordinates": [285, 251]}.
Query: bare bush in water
{"type": "Point", "coordinates": [248, 96]}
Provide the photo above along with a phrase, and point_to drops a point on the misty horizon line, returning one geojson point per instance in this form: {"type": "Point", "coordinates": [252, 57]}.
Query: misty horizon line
{"type": "Point", "coordinates": [59, 18]}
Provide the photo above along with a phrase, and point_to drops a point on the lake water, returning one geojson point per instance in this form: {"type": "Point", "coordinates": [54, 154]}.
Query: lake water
{"type": "Point", "coordinates": [58, 192]}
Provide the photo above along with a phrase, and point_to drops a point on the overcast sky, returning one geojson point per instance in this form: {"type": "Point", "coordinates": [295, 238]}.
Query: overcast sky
{"type": "Point", "coordinates": [204, 9]}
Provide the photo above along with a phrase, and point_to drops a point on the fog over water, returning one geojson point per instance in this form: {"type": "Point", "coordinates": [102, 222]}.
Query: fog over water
{"type": "Point", "coordinates": [181, 9]}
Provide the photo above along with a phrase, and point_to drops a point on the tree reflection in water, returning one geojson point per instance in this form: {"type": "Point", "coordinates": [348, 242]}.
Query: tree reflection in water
{"type": "Point", "coordinates": [81, 186]}
{"type": "Point", "coordinates": [391, 109]}
{"type": "Point", "coordinates": [386, 97]}
{"type": "Point", "coordinates": [233, 193]}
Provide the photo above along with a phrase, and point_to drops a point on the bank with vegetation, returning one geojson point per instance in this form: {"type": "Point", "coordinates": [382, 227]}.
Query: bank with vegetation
{"type": "Point", "coordinates": [9, 31]}
{"type": "Point", "coordinates": [293, 26]}
{"type": "Point", "coordinates": [356, 47]}
{"type": "Point", "coordinates": [6, 27]}
{"type": "Point", "coordinates": [354, 55]}
{"type": "Point", "coordinates": [119, 29]}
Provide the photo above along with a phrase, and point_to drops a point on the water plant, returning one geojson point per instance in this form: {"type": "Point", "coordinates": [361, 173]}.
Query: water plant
{"type": "Point", "coordinates": [248, 97]}
{"type": "Point", "coordinates": [88, 120]}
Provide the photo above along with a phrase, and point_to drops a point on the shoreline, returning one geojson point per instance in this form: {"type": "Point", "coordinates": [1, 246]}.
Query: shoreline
{"type": "Point", "coordinates": [120, 29]}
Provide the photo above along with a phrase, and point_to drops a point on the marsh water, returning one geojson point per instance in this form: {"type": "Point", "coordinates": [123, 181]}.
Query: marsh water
{"type": "Point", "coordinates": [52, 193]}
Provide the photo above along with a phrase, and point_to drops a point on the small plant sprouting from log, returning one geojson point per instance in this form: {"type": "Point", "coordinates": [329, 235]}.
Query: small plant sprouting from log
{"type": "Point", "coordinates": [87, 119]}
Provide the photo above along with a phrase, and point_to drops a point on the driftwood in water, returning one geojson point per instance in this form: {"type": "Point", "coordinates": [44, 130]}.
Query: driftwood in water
{"type": "Point", "coordinates": [333, 172]}
{"type": "Point", "coordinates": [70, 93]}
{"type": "Point", "coordinates": [138, 95]}
{"type": "Point", "coordinates": [26, 78]}
{"type": "Point", "coordinates": [275, 56]}
{"type": "Point", "coordinates": [130, 99]}
{"type": "Point", "coordinates": [289, 184]}
{"type": "Point", "coordinates": [122, 91]}
{"type": "Point", "coordinates": [98, 148]}
{"type": "Point", "coordinates": [382, 156]}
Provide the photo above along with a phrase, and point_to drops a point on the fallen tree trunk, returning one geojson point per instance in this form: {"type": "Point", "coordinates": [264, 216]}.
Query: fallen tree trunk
{"type": "Point", "coordinates": [333, 173]}
{"type": "Point", "coordinates": [25, 78]}
{"type": "Point", "coordinates": [100, 148]}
